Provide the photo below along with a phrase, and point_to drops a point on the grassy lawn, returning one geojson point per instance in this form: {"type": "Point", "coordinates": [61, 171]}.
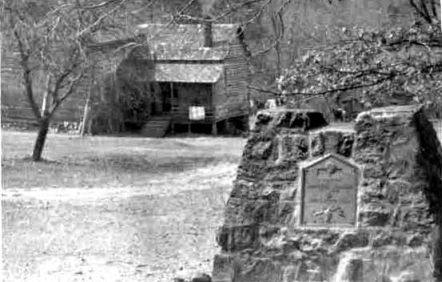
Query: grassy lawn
{"type": "Point", "coordinates": [74, 161]}
{"type": "Point", "coordinates": [120, 209]}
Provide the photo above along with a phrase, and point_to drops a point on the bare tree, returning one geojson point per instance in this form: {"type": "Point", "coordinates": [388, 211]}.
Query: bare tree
{"type": "Point", "coordinates": [52, 43]}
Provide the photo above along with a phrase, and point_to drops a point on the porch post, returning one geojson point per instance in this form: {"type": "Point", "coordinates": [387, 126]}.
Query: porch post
{"type": "Point", "coordinates": [171, 97]}
{"type": "Point", "coordinates": [214, 129]}
{"type": "Point", "coordinates": [172, 125]}
{"type": "Point", "coordinates": [213, 110]}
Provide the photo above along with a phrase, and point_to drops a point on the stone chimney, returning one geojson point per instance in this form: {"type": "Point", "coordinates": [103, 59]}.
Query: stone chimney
{"type": "Point", "coordinates": [207, 32]}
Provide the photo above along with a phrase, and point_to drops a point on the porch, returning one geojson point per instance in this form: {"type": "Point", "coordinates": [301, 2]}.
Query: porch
{"type": "Point", "coordinates": [176, 100]}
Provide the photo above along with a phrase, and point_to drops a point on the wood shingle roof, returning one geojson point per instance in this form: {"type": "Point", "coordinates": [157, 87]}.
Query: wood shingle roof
{"type": "Point", "coordinates": [185, 42]}
{"type": "Point", "coordinates": [189, 73]}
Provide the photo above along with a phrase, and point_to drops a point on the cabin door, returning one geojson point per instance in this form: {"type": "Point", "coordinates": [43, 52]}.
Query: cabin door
{"type": "Point", "coordinates": [166, 99]}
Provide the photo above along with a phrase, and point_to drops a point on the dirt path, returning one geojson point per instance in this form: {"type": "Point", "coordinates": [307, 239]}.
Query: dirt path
{"type": "Point", "coordinates": [118, 234]}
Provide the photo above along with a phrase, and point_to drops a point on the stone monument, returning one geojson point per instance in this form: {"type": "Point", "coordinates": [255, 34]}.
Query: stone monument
{"type": "Point", "coordinates": [313, 202]}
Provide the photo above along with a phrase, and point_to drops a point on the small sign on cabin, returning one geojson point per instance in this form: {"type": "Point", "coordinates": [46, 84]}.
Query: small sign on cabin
{"type": "Point", "coordinates": [270, 104]}
{"type": "Point", "coordinates": [197, 113]}
{"type": "Point", "coordinates": [329, 192]}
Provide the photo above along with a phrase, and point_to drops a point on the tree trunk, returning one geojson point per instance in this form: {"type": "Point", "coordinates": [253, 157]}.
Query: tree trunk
{"type": "Point", "coordinates": [45, 103]}
{"type": "Point", "coordinates": [41, 138]}
{"type": "Point", "coordinates": [84, 129]}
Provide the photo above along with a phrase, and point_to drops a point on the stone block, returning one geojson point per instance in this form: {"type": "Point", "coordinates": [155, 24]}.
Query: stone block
{"type": "Point", "coordinates": [382, 239]}
{"type": "Point", "coordinates": [414, 218]}
{"type": "Point", "coordinates": [374, 171]}
{"type": "Point", "coordinates": [259, 270]}
{"type": "Point", "coordinates": [345, 145]}
{"type": "Point", "coordinates": [201, 277]}
{"type": "Point", "coordinates": [350, 240]}
{"type": "Point", "coordinates": [258, 148]}
{"type": "Point", "coordinates": [317, 145]}
{"type": "Point", "coordinates": [282, 171]}
{"type": "Point", "coordinates": [238, 238]}
{"type": "Point", "coordinates": [350, 269]}
{"type": "Point", "coordinates": [261, 150]}
{"type": "Point", "coordinates": [251, 170]}
{"type": "Point", "coordinates": [331, 141]}
{"type": "Point", "coordinates": [288, 118]}
{"type": "Point", "coordinates": [286, 212]}
{"type": "Point", "coordinates": [377, 217]}
{"type": "Point", "coordinates": [293, 148]}
{"type": "Point", "coordinates": [223, 268]}
{"type": "Point", "coordinates": [416, 240]}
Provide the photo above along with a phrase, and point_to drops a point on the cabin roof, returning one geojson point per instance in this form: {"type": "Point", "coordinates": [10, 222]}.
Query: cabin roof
{"type": "Point", "coordinates": [190, 73]}
{"type": "Point", "coordinates": [186, 41]}
{"type": "Point", "coordinates": [178, 50]}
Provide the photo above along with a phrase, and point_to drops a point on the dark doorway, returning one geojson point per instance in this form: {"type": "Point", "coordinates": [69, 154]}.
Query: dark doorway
{"type": "Point", "coordinates": [166, 92]}
{"type": "Point", "coordinates": [168, 96]}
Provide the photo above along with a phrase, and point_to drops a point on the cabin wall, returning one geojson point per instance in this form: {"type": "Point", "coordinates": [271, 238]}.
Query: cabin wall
{"type": "Point", "coordinates": [232, 101]}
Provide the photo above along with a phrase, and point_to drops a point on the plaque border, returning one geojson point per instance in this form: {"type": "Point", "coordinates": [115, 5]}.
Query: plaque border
{"type": "Point", "coordinates": [303, 168]}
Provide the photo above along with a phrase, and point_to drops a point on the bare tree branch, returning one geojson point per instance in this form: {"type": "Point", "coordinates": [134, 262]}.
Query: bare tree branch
{"type": "Point", "coordinates": [100, 19]}
{"type": "Point", "coordinates": [70, 89]}
{"type": "Point", "coordinates": [74, 63]}
{"type": "Point", "coordinates": [422, 11]}
{"type": "Point", "coordinates": [27, 74]}
{"type": "Point", "coordinates": [101, 5]}
{"type": "Point", "coordinates": [253, 87]}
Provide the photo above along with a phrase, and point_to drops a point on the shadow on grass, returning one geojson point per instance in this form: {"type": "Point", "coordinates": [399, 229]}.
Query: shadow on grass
{"type": "Point", "coordinates": [119, 163]}
{"type": "Point", "coordinates": [107, 171]}
{"type": "Point", "coordinates": [42, 163]}
{"type": "Point", "coordinates": [126, 163]}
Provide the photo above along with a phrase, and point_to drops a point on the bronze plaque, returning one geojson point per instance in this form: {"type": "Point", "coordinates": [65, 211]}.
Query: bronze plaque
{"type": "Point", "coordinates": [329, 192]}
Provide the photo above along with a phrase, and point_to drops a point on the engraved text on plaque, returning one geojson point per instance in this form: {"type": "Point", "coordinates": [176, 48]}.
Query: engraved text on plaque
{"type": "Point", "coordinates": [329, 191]}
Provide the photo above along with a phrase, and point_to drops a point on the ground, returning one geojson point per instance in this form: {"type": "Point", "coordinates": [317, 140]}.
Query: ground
{"type": "Point", "coordinates": [114, 208]}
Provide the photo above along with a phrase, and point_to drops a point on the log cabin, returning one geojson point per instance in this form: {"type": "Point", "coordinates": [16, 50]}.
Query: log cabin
{"type": "Point", "coordinates": [198, 66]}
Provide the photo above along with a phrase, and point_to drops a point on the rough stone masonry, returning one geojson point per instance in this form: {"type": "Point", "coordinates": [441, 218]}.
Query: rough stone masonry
{"type": "Point", "coordinates": [317, 203]}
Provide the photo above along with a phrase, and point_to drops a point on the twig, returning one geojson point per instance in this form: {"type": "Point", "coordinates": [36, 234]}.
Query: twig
{"type": "Point", "coordinates": [69, 91]}
{"type": "Point", "coordinates": [100, 5]}
{"type": "Point", "coordinates": [98, 21]}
